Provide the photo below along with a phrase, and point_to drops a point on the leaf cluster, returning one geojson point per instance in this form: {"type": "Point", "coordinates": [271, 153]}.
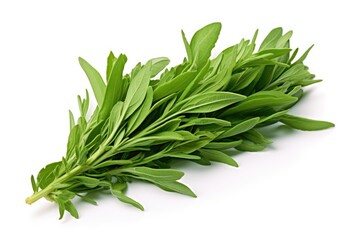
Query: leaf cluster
{"type": "Point", "coordinates": [194, 111]}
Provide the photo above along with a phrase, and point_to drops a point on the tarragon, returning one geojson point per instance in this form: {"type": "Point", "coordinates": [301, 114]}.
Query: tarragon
{"type": "Point", "coordinates": [154, 115]}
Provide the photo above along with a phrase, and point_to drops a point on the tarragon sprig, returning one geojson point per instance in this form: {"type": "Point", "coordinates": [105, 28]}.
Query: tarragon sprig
{"type": "Point", "coordinates": [192, 111]}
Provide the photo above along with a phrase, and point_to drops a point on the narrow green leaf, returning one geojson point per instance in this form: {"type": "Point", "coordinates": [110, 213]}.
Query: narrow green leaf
{"type": "Point", "coordinates": [163, 136]}
{"type": "Point", "coordinates": [73, 139]}
{"type": "Point", "coordinates": [261, 99]}
{"type": "Point", "coordinates": [217, 156]}
{"type": "Point", "coordinates": [305, 123]}
{"type": "Point", "coordinates": [115, 88]}
{"type": "Point", "coordinates": [175, 85]}
{"type": "Point", "coordinates": [304, 56]}
{"type": "Point", "coordinates": [95, 80]}
{"type": "Point", "coordinates": [191, 146]}
{"type": "Point", "coordinates": [205, 121]}
{"type": "Point", "coordinates": [88, 181]}
{"type": "Point", "coordinates": [69, 206]}
{"type": "Point", "coordinates": [181, 155]}
{"type": "Point", "coordinates": [240, 128]}
{"type": "Point", "coordinates": [210, 101]}
{"type": "Point", "coordinates": [115, 118]}
{"type": "Point", "coordinates": [176, 187]}
{"type": "Point", "coordinates": [223, 145]}
{"type": "Point", "coordinates": [155, 174]}
{"type": "Point", "coordinates": [187, 135]}
{"type": "Point", "coordinates": [113, 163]}
{"type": "Point", "coordinates": [137, 90]}
{"type": "Point", "coordinates": [273, 116]}
{"type": "Point", "coordinates": [61, 210]}
{"type": "Point", "coordinates": [141, 113]}
{"type": "Point", "coordinates": [187, 47]}
{"type": "Point", "coordinates": [168, 126]}
{"type": "Point", "coordinates": [71, 120]}
{"type": "Point", "coordinates": [110, 64]}
{"type": "Point", "coordinates": [256, 137]}
{"type": "Point", "coordinates": [248, 146]}
{"type": "Point", "coordinates": [192, 87]}
{"type": "Point", "coordinates": [87, 199]}
{"type": "Point", "coordinates": [33, 184]}
{"type": "Point", "coordinates": [125, 199]}
{"type": "Point", "coordinates": [161, 102]}
{"type": "Point", "coordinates": [242, 80]}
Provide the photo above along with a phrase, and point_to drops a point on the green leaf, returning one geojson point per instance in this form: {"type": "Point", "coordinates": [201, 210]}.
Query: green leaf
{"type": "Point", "coordinates": [95, 80]}
{"type": "Point", "coordinates": [61, 210]}
{"type": "Point", "coordinates": [203, 42]}
{"type": "Point", "coordinates": [115, 88]}
{"type": "Point", "coordinates": [155, 174]}
{"type": "Point", "coordinates": [305, 123]}
{"type": "Point", "coordinates": [181, 155]}
{"type": "Point", "coordinates": [65, 196]}
{"type": "Point", "coordinates": [158, 64]}
{"type": "Point", "coordinates": [193, 86]}
{"type": "Point", "coordinates": [273, 52]}
{"type": "Point", "coordinates": [223, 145]}
{"type": "Point", "coordinates": [69, 206]}
{"type": "Point", "coordinates": [81, 155]}
{"type": "Point", "coordinates": [175, 85]}
{"type": "Point", "coordinates": [161, 102]}
{"type": "Point", "coordinates": [141, 113]}
{"type": "Point", "coordinates": [137, 90]}
{"type": "Point", "coordinates": [304, 56]}
{"type": "Point", "coordinates": [88, 181]}
{"type": "Point", "coordinates": [110, 64]}
{"type": "Point", "coordinates": [187, 47]}
{"type": "Point", "coordinates": [87, 199]}
{"type": "Point", "coordinates": [73, 139]}
{"type": "Point", "coordinates": [94, 132]}
{"type": "Point", "coordinates": [248, 146]}
{"type": "Point", "coordinates": [71, 119]}
{"type": "Point", "coordinates": [187, 135]}
{"type": "Point", "coordinates": [113, 163]}
{"type": "Point", "coordinates": [205, 121]}
{"type": "Point", "coordinates": [191, 146]}
{"type": "Point", "coordinates": [240, 128]}
{"type": "Point", "coordinates": [47, 174]}
{"type": "Point", "coordinates": [243, 79]}
{"type": "Point", "coordinates": [260, 100]}
{"type": "Point", "coordinates": [210, 102]}
{"type": "Point", "coordinates": [166, 136]}
{"type": "Point", "coordinates": [115, 117]}
{"type": "Point", "coordinates": [176, 187]}
{"type": "Point", "coordinates": [256, 137]}
{"type": "Point", "coordinates": [217, 156]}
{"type": "Point", "coordinates": [168, 126]}
{"type": "Point", "coordinates": [125, 199]}
{"type": "Point", "coordinates": [273, 116]}
{"type": "Point", "coordinates": [271, 39]}
{"type": "Point", "coordinates": [33, 184]}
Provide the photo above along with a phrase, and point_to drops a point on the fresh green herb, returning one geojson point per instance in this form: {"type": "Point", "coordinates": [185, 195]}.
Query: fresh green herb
{"type": "Point", "coordinates": [192, 111]}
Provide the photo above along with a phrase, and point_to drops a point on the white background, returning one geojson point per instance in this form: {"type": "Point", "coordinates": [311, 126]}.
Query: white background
{"type": "Point", "coordinates": [304, 186]}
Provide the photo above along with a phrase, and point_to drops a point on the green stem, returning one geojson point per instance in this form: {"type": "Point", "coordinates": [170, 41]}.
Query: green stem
{"type": "Point", "coordinates": [52, 186]}
{"type": "Point", "coordinates": [74, 172]}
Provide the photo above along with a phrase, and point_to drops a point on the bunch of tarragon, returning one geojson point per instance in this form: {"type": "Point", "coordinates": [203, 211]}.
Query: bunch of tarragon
{"type": "Point", "coordinates": [194, 111]}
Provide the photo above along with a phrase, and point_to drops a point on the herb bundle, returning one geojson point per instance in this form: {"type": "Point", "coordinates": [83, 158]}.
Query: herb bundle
{"type": "Point", "coordinates": [193, 111]}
